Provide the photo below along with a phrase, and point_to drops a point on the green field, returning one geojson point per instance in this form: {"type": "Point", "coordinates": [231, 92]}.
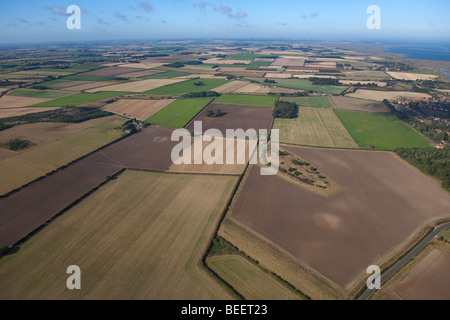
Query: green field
{"type": "Point", "coordinates": [304, 84]}
{"type": "Point", "coordinates": [187, 87]}
{"type": "Point", "coordinates": [79, 98]}
{"type": "Point", "coordinates": [71, 69]}
{"type": "Point", "coordinates": [249, 56]}
{"type": "Point", "coordinates": [179, 113]}
{"type": "Point", "coordinates": [255, 64]}
{"type": "Point", "coordinates": [49, 84]}
{"type": "Point", "coordinates": [88, 78]}
{"type": "Point", "coordinates": [446, 234]}
{"type": "Point", "coordinates": [382, 131]}
{"type": "Point", "coordinates": [164, 75]}
{"type": "Point", "coordinates": [246, 99]}
{"type": "Point", "coordinates": [323, 102]}
{"type": "Point", "coordinates": [45, 94]}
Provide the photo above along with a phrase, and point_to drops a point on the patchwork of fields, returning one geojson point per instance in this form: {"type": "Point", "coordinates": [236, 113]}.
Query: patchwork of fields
{"type": "Point", "coordinates": [136, 223]}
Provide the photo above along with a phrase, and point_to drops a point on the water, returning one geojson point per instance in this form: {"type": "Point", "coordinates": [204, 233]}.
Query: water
{"type": "Point", "coordinates": [439, 52]}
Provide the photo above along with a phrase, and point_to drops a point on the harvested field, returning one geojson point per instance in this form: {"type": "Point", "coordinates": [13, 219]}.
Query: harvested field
{"type": "Point", "coordinates": [218, 156]}
{"type": "Point", "coordinates": [231, 86]}
{"type": "Point", "coordinates": [346, 103]}
{"type": "Point", "coordinates": [314, 127]}
{"type": "Point", "coordinates": [14, 112]}
{"type": "Point", "coordinates": [383, 202]}
{"type": "Point", "coordinates": [429, 280]}
{"type": "Point", "coordinates": [219, 61]}
{"type": "Point", "coordinates": [44, 132]}
{"type": "Point", "coordinates": [278, 75]}
{"type": "Point", "coordinates": [91, 85]}
{"type": "Point", "coordinates": [249, 280]}
{"type": "Point", "coordinates": [249, 88]}
{"type": "Point", "coordinates": [322, 102]}
{"type": "Point", "coordinates": [365, 75]}
{"type": "Point", "coordinates": [9, 101]}
{"type": "Point", "coordinates": [27, 209]}
{"type": "Point", "coordinates": [129, 239]}
{"type": "Point", "coordinates": [381, 95]}
{"type": "Point", "coordinates": [138, 86]}
{"type": "Point", "coordinates": [380, 131]}
{"type": "Point", "coordinates": [411, 76]}
{"type": "Point", "coordinates": [37, 162]}
{"type": "Point", "coordinates": [307, 76]}
{"type": "Point", "coordinates": [110, 71]}
{"type": "Point", "coordinates": [138, 109]}
{"type": "Point", "coordinates": [289, 62]}
{"type": "Point", "coordinates": [235, 116]}
{"type": "Point", "coordinates": [139, 74]}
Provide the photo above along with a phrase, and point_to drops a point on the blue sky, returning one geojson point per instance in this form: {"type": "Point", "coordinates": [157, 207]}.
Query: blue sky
{"type": "Point", "coordinates": [45, 20]}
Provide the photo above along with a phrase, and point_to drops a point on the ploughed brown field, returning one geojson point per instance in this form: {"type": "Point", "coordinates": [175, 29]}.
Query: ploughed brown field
{"type": "Point", "coordinates": [24, 211]}
{"type": "Point", "coordinates": [429, 280]}
{"type": "Point", "coordinates": [382, 204]}
{"type": "Point", "coordinates": [235, 116]}
{"type": "Point", "coordinates": [355, 104]}
{"type": "Point", "coordinates": [139, 109]}
{"type": "Point", "coordinates": [288, 62]}
{"type": "Point", "coordinates": [110, 71]}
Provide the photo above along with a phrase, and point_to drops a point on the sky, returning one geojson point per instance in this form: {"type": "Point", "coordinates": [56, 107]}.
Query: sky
{"type": "Point", "coordinates": [24, 21]}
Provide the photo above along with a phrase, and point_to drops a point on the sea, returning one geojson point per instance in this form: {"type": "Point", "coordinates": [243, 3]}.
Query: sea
{"type": "Point", "coordinates": [436, 52]}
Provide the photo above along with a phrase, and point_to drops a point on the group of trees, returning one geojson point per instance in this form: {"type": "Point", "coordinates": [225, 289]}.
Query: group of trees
{"type": "Point", "coordinates": [18, 144]}
{"type": "Point", "coordinates": [432, 161]}
{"type": "Point", "coordinates": [213, 113]}
{"type": "Point", "coordinates": [201, 94]}
{"type": "Point", "coordinates": [324, 81]}
{"type": "Point", "coordinates": [285, 109]}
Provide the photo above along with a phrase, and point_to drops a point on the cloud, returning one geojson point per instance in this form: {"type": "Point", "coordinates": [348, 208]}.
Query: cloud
{"type": "Point", "coordinates": [12, 24]}
{"type": "Point", "coordinates": [120, 16]}
{"type": "Point", "coordinates": [282, 24]}
{"type": "Point", "coordinates": [146, 6]}
{"type": "Point", "coordinates": [24, 21]}
{"type": "Point", "coordinates": [163, 21]}
{"type": "Point", "coordinates": [62, 11]}
{"type": "Point", "coordinates": [101, 21]}
{"type": "Point", "coordinates": [312, 15]}
{"type": "Point", "coordinates": [226, 10]}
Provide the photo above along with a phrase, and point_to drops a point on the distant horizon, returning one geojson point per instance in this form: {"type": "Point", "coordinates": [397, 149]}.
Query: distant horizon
{"type": "Point", "coordinates": [43, 21]}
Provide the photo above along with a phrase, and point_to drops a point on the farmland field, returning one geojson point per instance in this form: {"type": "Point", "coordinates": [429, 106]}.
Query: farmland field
{"type": "Point", "coordinates": [249, 280]}
{"type": "Point", "coordinates": [323, 101]}
{"type": "Point", "coordinates": [188, 86]}
{"type": "Point", "coordinates": [162, 75]}
{"type": "Point", "coordinates": [14, 112]}
{"type": "Point", "coordinates": [354, 104]}
{"type": "Point", "coordinates": [235, 116]}
{"type": "Point", "coordinates": [138, 109]}
{"type": "Point", "coordinates": [314, 127]}
{"type": "Point", "coordinates": [381, 95]}
{"type": "Point", "coordinates": [428, 280]}
{"type": "Point", "coordinates": [43, 94]}
{"type": "Point", "coordinates": [383, 203]}
{"type": "Point", "coordinates": [36, 162]}
{"type": "Point", "coordinates": [231, 86]}
{"type": "Point", "coordinates": [129, 239]}
{"type": "Point", "coordinates": [9, 101]}
{"type": "Point", "coordinates": [411, 76]}
{"type": "Point", "coordinates": [382, 131]}
{"type": "Point", "coordinates": [304, 84]}
{"type": "Point", "coordinates": [77, 99]}
{"type": "Point", "coordinates": [179, 113]}
{"type": "Point", "coordinates": [246, 99]}
{"type": "Point", "coordinates": [138, 86]}
{"type": "Point", "coordinates": [110, 71]}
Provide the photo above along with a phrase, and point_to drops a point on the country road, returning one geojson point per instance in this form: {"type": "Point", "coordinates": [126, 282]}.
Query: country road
{"type": "Point", "coordinates": [388, 274]}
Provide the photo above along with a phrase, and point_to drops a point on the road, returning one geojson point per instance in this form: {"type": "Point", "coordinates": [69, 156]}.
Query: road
{"type": "Point", "coordinates": [388, 274]}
